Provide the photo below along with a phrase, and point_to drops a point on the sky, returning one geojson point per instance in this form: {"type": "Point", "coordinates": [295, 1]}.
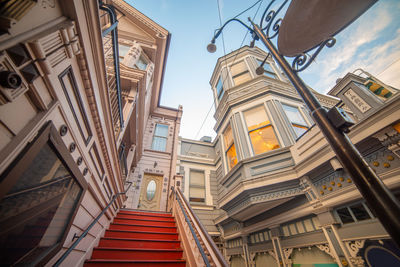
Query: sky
{"type": "Point", "coordinates": [372, 43]}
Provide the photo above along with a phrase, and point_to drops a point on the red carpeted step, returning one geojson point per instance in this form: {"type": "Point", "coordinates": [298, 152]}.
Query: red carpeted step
{"type": "Point", "coordinates": [146, 213]}
{"type": "Point", "coordinates": [138, 263]}
{"type": "Point", "coordinates": [147, 228]}
{"type": "Point", "coordinates": [145, 217]}
{"type": "Point", "coordinates": [136, 254]}
{"type": "Point", "coordinates": [141, 234]}
{"type": "Point", "coordinates": [143, 222]}
{"type": "Point", "coordinates": [139, 243]}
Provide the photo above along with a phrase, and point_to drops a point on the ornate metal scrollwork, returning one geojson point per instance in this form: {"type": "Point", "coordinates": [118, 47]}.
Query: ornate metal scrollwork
{"type": "Point", "coordinates": [302, 61]}
{"type": "Point", "coordinates": [269, 16]}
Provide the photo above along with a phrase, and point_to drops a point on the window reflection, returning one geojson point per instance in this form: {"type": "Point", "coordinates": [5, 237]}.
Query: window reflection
{"type": "Point", "coordinates": [230, 150]}
{"type": "Point", "coordinates": [151, 190]}
{"type": "Point", "coordinates": [298, 124]}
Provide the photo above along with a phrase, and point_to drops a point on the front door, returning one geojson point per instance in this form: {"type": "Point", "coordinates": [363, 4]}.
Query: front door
{"type": "Point", "coordinates": [150, 192]}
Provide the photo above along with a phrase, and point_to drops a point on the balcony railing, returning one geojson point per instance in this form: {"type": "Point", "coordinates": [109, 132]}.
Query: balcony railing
{"type": "Point", "coordinates": [110, 46]}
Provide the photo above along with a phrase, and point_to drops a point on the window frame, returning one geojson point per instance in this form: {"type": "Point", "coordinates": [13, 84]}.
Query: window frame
{"type": "Point", "coordinates": [227, 148]}
{"type": "Point", "coordinates": [159, 136]}
{"type": "Point", "coordinates": [221, 93]}
{"type": "Point", "coordinates": [355, 220]}
{"type": "Point", "coordinates": [48, 135]}
{"type": "Point", "coordinates": [296, 124]}
{"type": "Point", "coordinates": [261, 127]}
{"type": "Point", "coordinates": [269, 72]}
{"type": "Point", "coordinates": [197, 186]}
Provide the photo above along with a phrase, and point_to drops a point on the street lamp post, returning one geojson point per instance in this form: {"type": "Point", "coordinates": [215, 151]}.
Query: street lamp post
{"type": "Point", "coordinates": [376, 194]}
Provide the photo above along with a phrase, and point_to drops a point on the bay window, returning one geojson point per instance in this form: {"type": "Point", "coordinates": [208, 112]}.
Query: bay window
{"type": "Point", "coordinates": [160, 137]}
{"type": "Point", "coordinates": [260, 130]}
{"type": "Point", "coordinates": [296, 119]}
{"type": "Point", "coordinates": [230, 149]}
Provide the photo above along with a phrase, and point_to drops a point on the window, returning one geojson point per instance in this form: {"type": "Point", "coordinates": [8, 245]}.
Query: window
{"type": "Point", "coordinates": [197, 186]}
{"type": "Point", "coordinates": [230, 150]}
{"type": "Point", "coordinates": [296, 119]}
{"type": "Point", "coordinates": [240, 73]}
{"type": "Point", "coordinates": [234, 243]}
{"type": "Point", "coordinates": [142, 63]}
{"type": "Point", "coordinates": [160, 137]}
{"type": "Point", "coordinates": [354, 213]}
{"type": "Point", "coordinates": [260, 130]}
{"type": "Point", "coordinates": [220, 89]}
{"type": "Point", "coordinates": [123, 50]}
{"type": "Point", "coordinates": [268, 71]}
{"type": "Point", "coordinates": [41, 191]}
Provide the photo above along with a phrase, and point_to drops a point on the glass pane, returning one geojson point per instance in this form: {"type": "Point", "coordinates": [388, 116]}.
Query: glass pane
{"type": "Point", "coordinates": [151, 190]}
{"type": "Point", "coordinates": [266, 235]}
{"type": "Point", "coordinates": [252, 239]}
{"type": "Point", "coordinates": [359, 212]}
{"type": "Point", "coordinates": [159, 143]}
{"type": "Point", "coordinates": [256, 118]}
{"type": "Point", "coordinates": [300, 227]}
{"type": "Point", "coordinates": [231, 157]}
{"type": "Point", "coordinates": [263, 140]}
{"type": "Point", "coordinates": [345, 215]}
{"type": "Point", "coordinates": [299, 130]}
{"type": "Point", "coordinates": [261, 237]}
{"type": "Point", "coordinates": [142, 63]}
{"type": "Point", "coordinates": [257, 238]}
{"type": "Point", "coordinates": [309, 226]}
{"type": "Point", "coordinates": [161, 130]}
{"type": "Point", "coordinates": [220, 90]}
{"type": "Point", "coordinates": [228, 137]}
{"type": "Point", "coordinates": [239, 79]}
{"type": "Point", "coordinates": [238, 68]}
{"type": "Point", "coordinates": [197, 178]}
{"type": "Point", "coordinates": [197, 192]}
{"type": "Point", "coordinates": [37, 208]}
{"type": "Point", "coordinates": [123, 49]}
{"type": "Point", "coordinates": [267, 69]}
{"type": "Point", "coordinates": [294, 115]}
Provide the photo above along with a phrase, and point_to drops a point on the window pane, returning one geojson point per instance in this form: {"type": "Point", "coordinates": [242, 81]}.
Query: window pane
{"type": "Point", "coordinates": [266, 235]}
{"type": "Point", "coordinates": [231, 157]}
{"type": "Point", "coordinates": [345, 215]}
{"type": "Point", "coordinates": [256, 118]}
{"type": "Point", "coordinates": [252, 239]}
{"type": "Point", "coordinates": [123, 49]}
{"type": "Point", "coordinates": [261, 237]}
{"type": "Point", "coordinates": [239, 79]}
{"type": "Point", "coordinates": [238, 68]}
{"type": "Point", "coordinates": [316, 222]}
{"type": "Point", "coordinates": [159, 143]}
{"type": "Point", "coordinates": [257, 238]}
{"type": "Point", "coordinates": [267, 69]}
{"type": "Point", "coordinates": [299, 130]}
{"type": "Point", "coordinates": [220, 89]}
{"type": "Point", "coordinates": [142, 63]}
{"type": "Point", "coordinates": [308, 225]}
{"type": "Point", "coordinates": [263, 140]}
{"type": "Point", "coordinates": [359, 212]}
{"type": "Point", "coordinates": [37, 208]}
{"type": "Point", "coordinates": [294, 114]}
{"type": "Point", "coordinates": [161, 130]}
{"type": "Point", "coordinates": [197, 192]}
{"type": "Point", "coordinates": [228, 137]}
{"type": "Point", "coordinates": [292, 228]}
{"type": "Point", "coordinates": [196, 178]}
{"type": "Point", "coordinates": [300, 227]}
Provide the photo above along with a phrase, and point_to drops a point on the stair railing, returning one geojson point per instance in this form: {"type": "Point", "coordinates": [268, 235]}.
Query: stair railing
{"type": "Point", "coordinates": [205, 245]}
{"type": "Point", "coordinates": [84, 234]}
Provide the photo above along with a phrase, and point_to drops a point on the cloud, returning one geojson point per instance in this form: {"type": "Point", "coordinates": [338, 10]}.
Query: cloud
{"type": "Point", "coordinates": [354, 48]}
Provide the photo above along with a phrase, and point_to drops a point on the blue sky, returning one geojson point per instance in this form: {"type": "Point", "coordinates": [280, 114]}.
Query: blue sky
{"type": "Point", "coordinates": [372, 42]}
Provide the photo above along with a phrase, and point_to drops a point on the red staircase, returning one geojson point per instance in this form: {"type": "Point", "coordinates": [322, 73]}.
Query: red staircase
{"type": "Point", "coordinates": [138, 238]}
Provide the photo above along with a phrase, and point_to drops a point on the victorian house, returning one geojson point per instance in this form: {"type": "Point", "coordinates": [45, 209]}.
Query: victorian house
{"type": "Point", "coordinates": [269, 188]}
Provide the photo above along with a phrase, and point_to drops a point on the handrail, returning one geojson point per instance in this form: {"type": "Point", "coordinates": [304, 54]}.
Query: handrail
{"type": "Point", "coordinates": [214, 248]}
{"type": "Point", "coordinates": [83, 235]}
{"type": "Point", "coordinates": [203, 254]}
